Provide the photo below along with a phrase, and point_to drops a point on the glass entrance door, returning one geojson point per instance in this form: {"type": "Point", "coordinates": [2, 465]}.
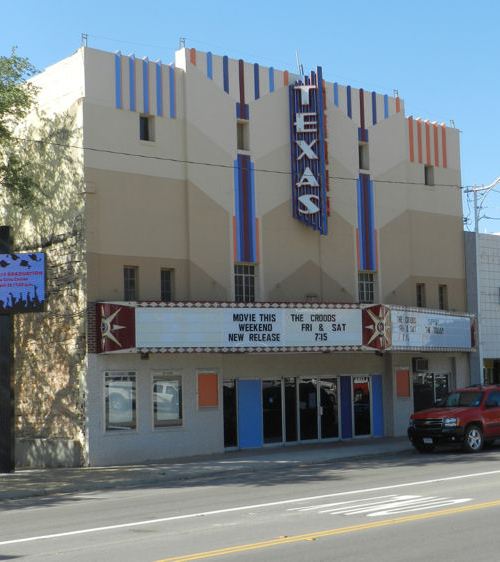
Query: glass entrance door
{"type": "Point", "coordinates": [308, 409]}
{"type": "Point", "coordinates": [272, 411]}
{"type": "Point", "coordinates": [329, 419]}
{"type": "Point", "coordinates": [361, 405]}
{"type": "Point", "coordinates": [230, 413]}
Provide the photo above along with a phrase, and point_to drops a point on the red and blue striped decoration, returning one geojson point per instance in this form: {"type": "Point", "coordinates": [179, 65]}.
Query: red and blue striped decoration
{"type": "Point", "coordinates": [245, 234]}
{"type": "Point", "coordinates": [242, 109]}
{"type": "Point", "coordinates": [367, 253]}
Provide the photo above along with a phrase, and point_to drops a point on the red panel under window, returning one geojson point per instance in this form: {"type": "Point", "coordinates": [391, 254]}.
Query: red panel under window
{"type": "Point", "coordinates": [208, 390]}
{"type": "Point", "coordinates": [403, 383]}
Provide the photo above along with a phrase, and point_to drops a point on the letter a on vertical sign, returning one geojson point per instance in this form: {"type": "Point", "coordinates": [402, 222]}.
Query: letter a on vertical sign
{"type": "Point", "coordinates": [307, 142]}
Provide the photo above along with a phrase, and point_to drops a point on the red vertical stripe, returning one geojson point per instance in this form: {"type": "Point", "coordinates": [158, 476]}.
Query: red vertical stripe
{"type": "Point", "coordinates": [398, 105]}
{"type": "Point", "coordinates": [436, 145]}
{"type": "Point", "coordinates": [357, 247]}
{"type": "Point", "coordinates": [285, 78]}
{"type": "Point", "coordinates": [443, 139]}
{"type": "Point", "coordinates": [419, 140]}
{"type": "Point", "coordinates": [428, 142]}
{"type": "Point", "coordinates": [192, 56]}
{"type": "Point", "coordinates": [362, 107]}
{"type": "Point", "coordinates": [410, 138]}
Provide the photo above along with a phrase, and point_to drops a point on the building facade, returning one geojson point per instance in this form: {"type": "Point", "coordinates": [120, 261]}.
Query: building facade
{"type": "Point", "coordinates": [270, 258]}
{"type": "Point", "coordinates": [482, 252]}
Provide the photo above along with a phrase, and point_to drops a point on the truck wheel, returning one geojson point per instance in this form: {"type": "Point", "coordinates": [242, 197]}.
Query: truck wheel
{"type": "Point", "coordinates": [423, 447]}
{"type": "Point", "coordinates": [473, 439]}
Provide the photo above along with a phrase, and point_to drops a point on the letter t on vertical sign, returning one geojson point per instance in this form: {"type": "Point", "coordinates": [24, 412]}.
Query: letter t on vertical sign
{"type": "Point", "coordinates": [7, 404]}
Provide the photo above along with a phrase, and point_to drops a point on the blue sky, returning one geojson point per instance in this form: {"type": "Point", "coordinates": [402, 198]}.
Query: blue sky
{"type": "Point", "coordinates": [442, 56]}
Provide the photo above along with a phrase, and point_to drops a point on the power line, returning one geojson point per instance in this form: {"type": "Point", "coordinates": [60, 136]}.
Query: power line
{"type": "Point", "coordinates": [217, 165]}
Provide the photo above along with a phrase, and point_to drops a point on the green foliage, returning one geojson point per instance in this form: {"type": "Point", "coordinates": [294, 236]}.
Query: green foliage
{"type": "Point", "coordinates": [17, 99]}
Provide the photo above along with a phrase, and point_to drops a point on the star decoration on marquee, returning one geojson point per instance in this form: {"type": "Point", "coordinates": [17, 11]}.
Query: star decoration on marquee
{"type": "Point", "coordinates": [107, 328]}
{"type": "Point", "coordinates": [381, 327]}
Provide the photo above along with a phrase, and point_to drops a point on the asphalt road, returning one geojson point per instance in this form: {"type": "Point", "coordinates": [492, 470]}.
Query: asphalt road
{"type": "Point", "coordinates": [443, 506]}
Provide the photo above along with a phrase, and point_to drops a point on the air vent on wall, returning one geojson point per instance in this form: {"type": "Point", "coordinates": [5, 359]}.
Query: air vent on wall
{"type": "Point", "coordinates": [420, 364]}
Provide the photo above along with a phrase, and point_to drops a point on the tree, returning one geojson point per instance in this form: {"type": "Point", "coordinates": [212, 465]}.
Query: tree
{"type": "Point", "coordinates": [17, 99]}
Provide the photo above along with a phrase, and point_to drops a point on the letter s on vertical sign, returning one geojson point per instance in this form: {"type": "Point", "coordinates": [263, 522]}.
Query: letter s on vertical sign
{"type": "Point", "coordinates": [309, 202]}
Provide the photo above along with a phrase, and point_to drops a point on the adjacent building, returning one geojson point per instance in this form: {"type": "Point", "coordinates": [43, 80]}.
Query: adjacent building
{"type": "Point", "coordinates": [266, 259]}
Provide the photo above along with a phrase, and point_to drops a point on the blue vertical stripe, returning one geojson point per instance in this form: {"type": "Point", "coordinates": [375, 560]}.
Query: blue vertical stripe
{"type": "Point", "coordinates": [210, 71]}
{"type": "Point", "coordinates": [371, 234]}
{"type": "Point", "coordinates": [225, 73]}
{"type": "Point", "coordinates": [271, 79]}
{"type": "Point", "coordinates": [374, 108]}
{"type": "Point", "coordinates": [346, 407]}
{"type": "Point", "coordinates": [336, 94]}
{"type": "Point", "coordinates": [361, 238]}
{"type": "Point", "coordinates": [256, 80]}
{"type": "Point", "coordinates": [145, 85]}
{"type": "Point", "coordinates": [323, 226]}
{"type": "Point", "coordinates": [159, 90]}
{"type": "Point", "coordinates": [237, 209]}
{"type": "Point", "coordinates": [378, 406]}
{"type": "Point", "coordinates": [171, 78]}
{"type": "Point", "coordinates": [118, 81]}
{"type": "Point", "coordinates": [253, 240]}
{"type": "Point", "coordinates": [349, 103]}
{"type": "Point", "coordinates": [131, 81]}
{"type": "Point", "coordinates": [386, 106]}
{"type": "Point", "coordinates": [250, 432]}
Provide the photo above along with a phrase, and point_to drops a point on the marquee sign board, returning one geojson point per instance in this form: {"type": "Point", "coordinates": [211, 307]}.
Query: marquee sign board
{"type": "Point", "coordinates": [22, 283]}
{"type": "Point", "coordinates": [309, 152]}
{"type": "Point", "coordinates": [269, 327]}
{"type": "Point", "coordinates": [426, 330]}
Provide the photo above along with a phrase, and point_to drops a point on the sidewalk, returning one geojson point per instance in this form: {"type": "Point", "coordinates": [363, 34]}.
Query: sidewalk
{"type": "Point", "coordinates": [44, 482]}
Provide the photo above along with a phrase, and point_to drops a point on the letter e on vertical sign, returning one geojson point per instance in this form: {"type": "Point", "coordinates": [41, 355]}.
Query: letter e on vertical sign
{"type": "Point", "coordinates": [307, 143]}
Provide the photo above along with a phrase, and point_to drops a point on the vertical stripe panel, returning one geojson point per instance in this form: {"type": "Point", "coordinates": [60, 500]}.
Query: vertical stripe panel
{"type": "Point", "coordinates": [428, 143]}
{"type": "Point", "coordinates": [250, 434]}
{"type": "Point", "coordinates": [410, 139]}
{"type": "Point", "coordinates": [346, 407]}
{"type": "Point", "coordinates": [192, 56]}
{"type": "Point", "coordinates": [159, 90]}
{"type": "Point", "coordinates": [210, 70]}
{"type": "Point", "coordinates": [131, 81]}
{"type": "Point", "coordinates": [256, 81]}
{"type": "Point", "coordinates": [336, 94]}
{"type": "Point", "coordinates": [374, 108]}
{"type": "Point", "coordinates": [349, 103]}
{"type": "Point", "coordinates": [271, 79]}
{"type": "Point", "coordinates": [252, 212]}
{"type": "Point", "coordinates": [237, 211]}
{"type": "Point", "coordinates": [362, 107]}
{"type": "Point", "coordinates": [286, 78]}
{"type": "Point", "coordinates": [371, 234]}
{"type": "Point", "coordinates": [241, 82]}
{"type": "Point", "coordinates": [443, 144]}
{"type": "Point", "coordinates": [361, 237]}
{"type": "Point", "coordinates": [171, 77]}
{"type": "Point", "coordinates": [118, 81]}
{"type": "Point", "coordinates": [386, 106]}
{"type": "Point", "coordinates": [436, 144]}
{"type": "Point", "coordinates": [419, 140]}
{"type": "Point", "coordinates": [398, 104]}
{"type": "Point", "coordinates": [225, 73]}
{"type": "Point", "coordinates": [145, 85]}
{"type": "Point", "coordinates": [378, 406]}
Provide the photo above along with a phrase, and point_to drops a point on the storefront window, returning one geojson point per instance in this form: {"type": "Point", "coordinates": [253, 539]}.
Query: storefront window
{"type": "Point", "coordinates": [120, 400]}
{"type": "Point", "coordinates": [428, 388]}
{"type": "Point", "coordinates": [167, 400]}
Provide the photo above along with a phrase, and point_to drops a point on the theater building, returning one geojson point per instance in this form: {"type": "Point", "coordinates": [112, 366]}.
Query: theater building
{"type": "Point", "coordinates": [271, 259]}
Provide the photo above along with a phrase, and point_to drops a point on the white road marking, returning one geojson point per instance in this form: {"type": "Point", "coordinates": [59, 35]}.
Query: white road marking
{"type": "Point", "coordinates": [382, 505]}
{"type": "Point", "coordinates": [245, 508]}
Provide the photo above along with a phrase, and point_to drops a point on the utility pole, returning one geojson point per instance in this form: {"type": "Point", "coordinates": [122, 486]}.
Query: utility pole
{"type": "Point", "coordinates": [476, 359]}
{"type": "Point", "coordinates": [7, 402]}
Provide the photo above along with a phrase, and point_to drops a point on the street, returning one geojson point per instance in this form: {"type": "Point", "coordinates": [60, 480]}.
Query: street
{"type": "Point", "coordinates": [404, 506]}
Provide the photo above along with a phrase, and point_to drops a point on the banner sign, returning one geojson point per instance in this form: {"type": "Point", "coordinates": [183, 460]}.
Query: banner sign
{"type": "Point", "coordinates": [22, 283]}
{"type": "Point", "coordinates": [430, 331]}
{"type": "Point", "coordinates": [309, 152]}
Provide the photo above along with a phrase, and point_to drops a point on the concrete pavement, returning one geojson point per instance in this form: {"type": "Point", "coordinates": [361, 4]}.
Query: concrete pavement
{"type": "Point", "coordinates": [43, 482]}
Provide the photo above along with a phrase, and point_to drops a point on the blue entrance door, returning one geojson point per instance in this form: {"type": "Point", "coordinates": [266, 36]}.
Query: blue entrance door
{"type": "Point", "coordinates": [249, 414]}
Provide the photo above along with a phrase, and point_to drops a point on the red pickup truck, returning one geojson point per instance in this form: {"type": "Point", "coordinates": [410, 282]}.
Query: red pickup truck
{"type": "Point", "coordinates": [468, 416]}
